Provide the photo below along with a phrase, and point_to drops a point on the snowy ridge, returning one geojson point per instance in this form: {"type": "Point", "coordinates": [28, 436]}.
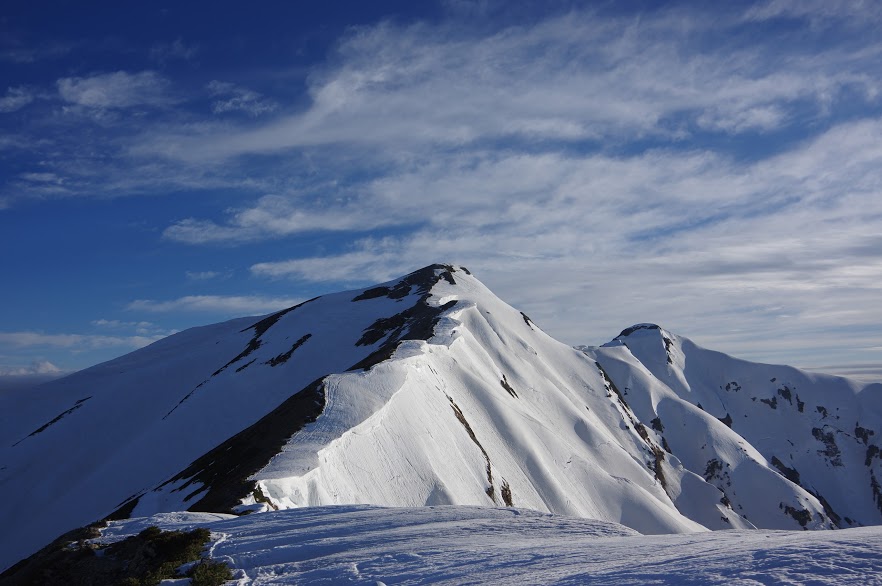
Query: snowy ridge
{"type": "Point", "coordinates": [738, 424]}
{"type": "Point", "coordinates": [429, 390]}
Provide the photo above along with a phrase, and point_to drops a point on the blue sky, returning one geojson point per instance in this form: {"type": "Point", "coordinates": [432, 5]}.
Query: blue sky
{"type": "Point", "coordinates": [716, 170]}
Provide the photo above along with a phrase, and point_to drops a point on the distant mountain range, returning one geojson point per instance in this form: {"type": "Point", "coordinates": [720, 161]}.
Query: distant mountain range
{"type": "Point", "coordinates": [430, 390]}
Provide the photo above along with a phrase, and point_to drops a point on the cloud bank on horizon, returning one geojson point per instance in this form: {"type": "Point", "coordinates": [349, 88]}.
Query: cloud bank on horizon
{"type": "Point", "coordinates": [717, 171]}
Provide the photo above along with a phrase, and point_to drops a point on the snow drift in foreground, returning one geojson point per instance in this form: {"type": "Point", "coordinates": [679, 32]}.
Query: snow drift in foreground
{"type": "Point", "coordinates": [471, 545]}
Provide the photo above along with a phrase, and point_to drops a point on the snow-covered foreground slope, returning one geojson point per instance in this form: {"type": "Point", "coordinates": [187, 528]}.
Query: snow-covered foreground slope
{"type": "Point", "coordinates": [470, 545]}
{"type": "Point", "coordinates": [429, 390]}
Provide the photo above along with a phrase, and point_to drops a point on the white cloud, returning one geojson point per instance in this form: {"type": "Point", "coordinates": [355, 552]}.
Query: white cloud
{"type": "Point", "coordinates": [73, 341]}
{"type": "Point", "coordinates": [605, 167]}
{"type": "Point", "coordinates": [578, 77]}
{"type": "Point", "coordinates": [16, 98]}
{"type": "Point", "coordinates": [234, 304]}
{"type": "Point", "coordinates": [177, 49]}
{"type": "Point", "coordinates": [116, 90]}
{"type": "Point", "coordinates": [207, 275]}
{"type": "Point", "coordinates": [785, 250]}
{"type": "Point", "coordinates": [141, 328]}
{"type": "Point", "coordinates": [279, 216]}
{"type": "Point", "coordinates": [42, 367]}
{"type": "Point", "coordinates": [232, 98]}
{"type": "Point", "coordinates": [819, 12]}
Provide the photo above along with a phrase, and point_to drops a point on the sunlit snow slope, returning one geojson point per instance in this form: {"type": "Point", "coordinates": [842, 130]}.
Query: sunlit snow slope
{"type": "Point", "coordinates": [471, 545]}
{"type": "Point", "coordinates": [429, 390]}
{"type": "Point", "coordinates": [742, 425]}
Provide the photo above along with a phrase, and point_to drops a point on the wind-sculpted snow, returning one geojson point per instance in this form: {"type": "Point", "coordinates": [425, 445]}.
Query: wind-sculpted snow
{"type": "Point", "coordinates": [429, 390]}
{"type": "Point", "coordinates": [470, 545]}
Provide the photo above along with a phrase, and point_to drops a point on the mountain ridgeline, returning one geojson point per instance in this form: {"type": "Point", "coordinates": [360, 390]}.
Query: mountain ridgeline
{"type": "Point", "coordinates": [430, 390]}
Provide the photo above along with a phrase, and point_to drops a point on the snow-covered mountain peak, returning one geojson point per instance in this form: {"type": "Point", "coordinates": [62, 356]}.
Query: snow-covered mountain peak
{"type": "Point", "coordinates": [430, 390]}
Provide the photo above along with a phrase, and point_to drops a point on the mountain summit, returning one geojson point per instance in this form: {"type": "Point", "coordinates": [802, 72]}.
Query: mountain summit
{"type": "Point", "coordinates": [430, 390]}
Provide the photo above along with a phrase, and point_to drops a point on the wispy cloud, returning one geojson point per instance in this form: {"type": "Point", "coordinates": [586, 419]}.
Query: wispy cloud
{"type": "Point", "coordinates": [140, 328]}
{"type": "Point", "coordinates": [116, 90]}
{"type": "Point", "coordinates": [578, 77]}
{"type": "Point", "coordinates": [230, 97]}
{"type": "Point", "coordinates": [163, 52]}
{"type": "Point", "coordinates": [16, 98]}
{"type": "Point", "coordinates": [208, 275]}
{"type": "Point", "coordinates": [17, 52]}
{"type": "Point", "coordinates": [819, 12]}
{"type": "Point", "coordinates": [43, 367]}
{"type": "Point", "coordinates": [690, 241]}
{"type": "Point", "coordinates": [715, 170]}
{"type": "Point", "coordinates": [73, 341]}
{"type": "Point", "coordinates": [234, 304]}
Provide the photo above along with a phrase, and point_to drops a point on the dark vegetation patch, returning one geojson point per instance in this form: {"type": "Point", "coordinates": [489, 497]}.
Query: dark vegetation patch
{"type": "Point", "coordinates": [718, 471]}
{"type": "Point", "coordinates": [713, 468]}
{"type": "Point", "coordinates": [124, 510]}
{"type": "Point", "coordinates": [863, 434]}
{"type": "Point", "coordinates": [628, 331]}
{"type": "Point", "coordinates": [507, 387]}
{"type": "Point", "coordinates": [253, 344]}
{"type": "Point", "coordinates": [831, 450]}
{"type": "Point", "coordinates": [57, 418]}
{"type": "Point", "coordinates": [246, 365]}
{"type": "Point", "coordinates": [415, 323]}
{"type": "Point", "coordinates": [610, 385]}
{"type": "Point", "coordinates": [209, 573]}
{"type": "Point", "coordinates": [399, 291]}
{"type": "Point", "coordinates": [641, 431]}
{"type": "Point", "coordinates": [828, 510]}
{"type": "Point", "coordinates": [786, 393]}
{"type": "Point", "coordinates": [727, 420]}
{"type": "Point", "coordinates": [139, 560]}
{"type": "Point", "coordinates": [773, 402]}
{"type": "Point", "coordinates": [382, 327]}
{"type": "Point", "coordinates": [657, 425]}
{"type": "Point", "coordinates": [801, 516]}
{"type": "Point", "coordinates": [283, 358]}
{"type": "Point", "coordinates": [657, 452]}
{"type": "Point", "coordinates": [260, 328]}
{"type": "Point", "coordinates": [668, 343]}
{"type": "Point", "coordinates": [658, 457]}
{"type": "Point", "coordinates": [459, 415]}
{"type": "Point", "coordinates": [872, 452]}
{"type": "Point", "coordinates": [789, 473]}
{"type": "Point", "coordinates": [877, 490]}
{"type": "Point", "coordinates": [505, 491]}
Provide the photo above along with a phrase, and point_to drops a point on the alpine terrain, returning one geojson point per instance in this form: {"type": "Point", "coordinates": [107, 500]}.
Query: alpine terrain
{"type": "Point", "coordinates": [426, 391]}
